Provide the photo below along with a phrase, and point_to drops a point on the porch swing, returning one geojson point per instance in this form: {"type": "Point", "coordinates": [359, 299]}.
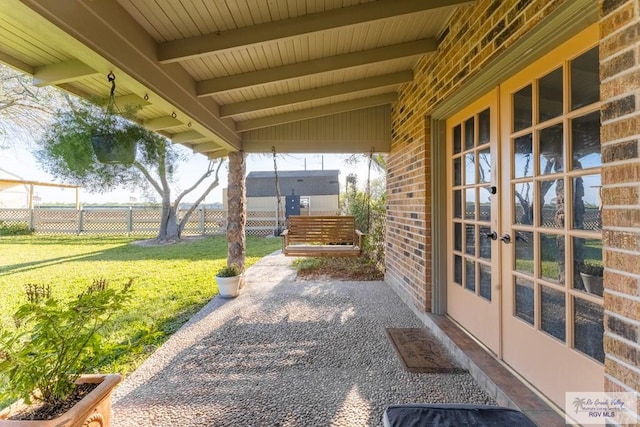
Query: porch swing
{"type": "Point", "coordinates": [316, 235]}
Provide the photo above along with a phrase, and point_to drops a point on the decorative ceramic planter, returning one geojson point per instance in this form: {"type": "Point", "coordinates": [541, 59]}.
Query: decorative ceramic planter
{"type": "Point", "coordinates": [228, 286]}
{"type": "Point", "coordinates": [94, 410]}
{"type": "Point", "coordinates": [110, 150]}
{"type": "Point", "coordinates": [593, 284]}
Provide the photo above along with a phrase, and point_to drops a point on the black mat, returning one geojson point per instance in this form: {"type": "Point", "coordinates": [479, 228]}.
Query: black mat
{"type": "Point", "coordinates": [420, 352]}
{"type": "Point", "coordinates": [453, 415]}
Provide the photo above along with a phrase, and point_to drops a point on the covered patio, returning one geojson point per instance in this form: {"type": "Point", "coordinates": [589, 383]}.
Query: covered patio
{"type": "Point", "coordinates": [302, 353]}
{"type": "Point", "coordinates": [511, 129]}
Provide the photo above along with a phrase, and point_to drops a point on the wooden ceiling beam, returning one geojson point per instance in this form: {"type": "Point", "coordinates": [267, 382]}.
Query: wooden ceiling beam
{"type": "Point", "coordinates": [189, 136]}
{"type": "Point", "coordinates": [106, 29]}
{"type": "Point", "coordinates": [317, 66]}
{"type": "Point", "coordinates": [194, 47]}
{"type": "Point", "coordinates": [62, 72]}
{"type": "Point", "coordinates": [132, 100]}
{"type": "Point", "coordinates": [316, 93]}
{"type": "Point", "coordinates": [206, 147]}
{"type": "Point", "coordinates": [161, 123]}
{"type": "Point", "coordinates": [310, 113]}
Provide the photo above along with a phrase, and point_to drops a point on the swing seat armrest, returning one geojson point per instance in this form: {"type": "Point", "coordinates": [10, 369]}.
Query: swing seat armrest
{"type": "Point", "coordinates": [285, 239]}
{"type": "Point", "coordinates": [359, 235]}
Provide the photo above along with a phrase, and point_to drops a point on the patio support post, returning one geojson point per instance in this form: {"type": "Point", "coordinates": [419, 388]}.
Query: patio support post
{"type": "Point", "coordinates": [236, 208]}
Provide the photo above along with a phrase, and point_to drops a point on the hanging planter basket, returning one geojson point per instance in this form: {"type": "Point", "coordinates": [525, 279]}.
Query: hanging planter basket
{"type": "Point", "coordinates": [110, 149]}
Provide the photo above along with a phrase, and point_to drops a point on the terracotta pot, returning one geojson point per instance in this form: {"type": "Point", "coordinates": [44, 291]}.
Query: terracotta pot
{"type": "Point", "coordinates": [94, 410]}
{"type": "Point", "coordinates": [228, 286]}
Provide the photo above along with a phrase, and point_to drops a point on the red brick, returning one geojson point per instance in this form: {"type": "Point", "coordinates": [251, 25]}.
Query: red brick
{"type": "Point", "coordinates": [629, 377]}
{"type": "Point", "coordinates": [623, 306]}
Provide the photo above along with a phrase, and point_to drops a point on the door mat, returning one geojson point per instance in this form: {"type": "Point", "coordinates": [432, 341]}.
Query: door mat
{"type": "Point", "coordinates": [420, 352]}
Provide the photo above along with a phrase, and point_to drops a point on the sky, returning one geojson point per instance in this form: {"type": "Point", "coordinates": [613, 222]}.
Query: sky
{"type": "Point", "coordinates": [19, 161]}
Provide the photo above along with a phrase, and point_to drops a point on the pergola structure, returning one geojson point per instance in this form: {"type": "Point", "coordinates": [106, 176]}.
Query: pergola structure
{"type": "Point", "coordinates": [10, 183]}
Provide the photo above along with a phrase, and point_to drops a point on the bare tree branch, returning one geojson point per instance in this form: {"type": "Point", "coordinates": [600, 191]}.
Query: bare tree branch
{"type": "Point", "coordinates": [213, 185]}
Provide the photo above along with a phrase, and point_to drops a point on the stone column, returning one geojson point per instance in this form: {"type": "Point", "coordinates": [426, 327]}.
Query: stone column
{"type": "Point", "coordinates": [237, 209]}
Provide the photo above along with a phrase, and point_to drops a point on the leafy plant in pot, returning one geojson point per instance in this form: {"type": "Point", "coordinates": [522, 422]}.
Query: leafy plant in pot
{"type": "Point", "coordinates": [42, 359]}
{"type": "Point", "coordinates": [228, 279]}
{"type": "Point", "coordinates": [98, 129]}
{"type": "Point", "coordinates": [592, 277]}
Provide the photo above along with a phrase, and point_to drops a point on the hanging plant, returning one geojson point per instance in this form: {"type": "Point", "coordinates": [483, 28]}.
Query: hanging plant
{"type": "Point", "coordinates": [86, 131]}
{"type": "Point", "coordinates": [114, 138]}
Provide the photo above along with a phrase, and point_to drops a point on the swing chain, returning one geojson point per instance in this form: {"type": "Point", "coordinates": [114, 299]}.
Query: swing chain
{"type": "Point", "coordinates": [371, 152]}
{"type": "Point", "coordinates": [278, 197]}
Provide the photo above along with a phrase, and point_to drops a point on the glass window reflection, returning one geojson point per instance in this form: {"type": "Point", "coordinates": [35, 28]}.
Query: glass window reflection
{"type": "Point", "coordinates": [588, 323]}
{"type": "Point", "coordinates": [484, 127]}
{"type": "Point", "coordinates": [469, 134]}
{"type": "Point", "coordinates": [587, 204]}
{"type": "Point", "coordinates": [585, 139]}
{"type": "Point", "coordinates": [523, 156]}
{"type": "Point", "coordinates": [522, 108]}
{"type": "Point", "coordinates": [552, 206]}
{"type": "Point", "coordinates": [523, 199]}
{"type": "Point", "coordinates": [524, 251]}
{"type": "Point", "coordinates": [553, 313]}
{"type": "Point", "coordinates": [585, 79]}
{"type": "Point", "coordinates": [457, 139]}
{"type": "Point", "coordinates": [524, 296]}
{"type": "Point", "coordinates": [484, 165]}
{"type": "Point", "coordinates": [550, 96]}
{"type": "Point", "coordinates": [551, 150]}
{"type": "Point", "coordinates": [470, 169]}
{"type": "Point", "coordinates": [552, 262]}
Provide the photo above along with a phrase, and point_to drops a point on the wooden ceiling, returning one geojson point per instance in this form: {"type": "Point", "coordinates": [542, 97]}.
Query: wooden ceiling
{"type": "Point", "coordinates": [209, 72]}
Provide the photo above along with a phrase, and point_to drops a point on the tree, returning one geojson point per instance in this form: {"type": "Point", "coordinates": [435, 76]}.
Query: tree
{"type": "Point", "coordinates": [66, 151]}
{"type": "Point", "coordinates": [24, 109]}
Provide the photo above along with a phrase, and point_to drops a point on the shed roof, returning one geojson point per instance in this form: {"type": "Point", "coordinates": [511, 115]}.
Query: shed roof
{"type": "Point", "coordinates": [293, 174]}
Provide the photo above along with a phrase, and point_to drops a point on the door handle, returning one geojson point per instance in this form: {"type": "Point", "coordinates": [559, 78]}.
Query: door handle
{"type": "Point", "coordinates": [506, 238]}
{"type": "Point", "coordinates": [493, 235]}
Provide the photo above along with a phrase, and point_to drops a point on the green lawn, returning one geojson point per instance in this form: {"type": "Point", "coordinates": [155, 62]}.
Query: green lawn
{"type": "Point", "coordinates": [171, 282]}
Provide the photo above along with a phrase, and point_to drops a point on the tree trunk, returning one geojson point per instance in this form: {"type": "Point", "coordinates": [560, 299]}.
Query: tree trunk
{"type": "Point", "coordinates": [169, 229]}
{"type": "Point", "coordinates": [236, 205]}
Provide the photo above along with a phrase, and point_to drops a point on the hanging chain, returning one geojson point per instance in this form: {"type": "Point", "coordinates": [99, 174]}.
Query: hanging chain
{"type": "Point", "coordinates": [279, 202]}
{"type": "Point", "coordinates": [111, 106]}
{"type": "Point", "coordinates": [373, 149]}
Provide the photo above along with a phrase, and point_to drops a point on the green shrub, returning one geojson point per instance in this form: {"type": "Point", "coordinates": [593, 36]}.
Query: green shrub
{"type": "Point", "coordinates": [370, 216]}
{"type": "Point", "coordinates": [229, 271]}
{"type": "Point", "coordinates": [16, 229]}
{"type": "Point", "coordinates": [55, 341]}
{"type": "Point", "coordinates": [308, 263]}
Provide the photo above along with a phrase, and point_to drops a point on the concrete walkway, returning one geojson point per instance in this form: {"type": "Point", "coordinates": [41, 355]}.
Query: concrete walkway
{"type": "Point", "coordinates": [285, 353]}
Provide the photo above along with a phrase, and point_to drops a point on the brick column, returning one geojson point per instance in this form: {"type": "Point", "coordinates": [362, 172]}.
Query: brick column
{"type": "Point", "coordinates": [620, 95]}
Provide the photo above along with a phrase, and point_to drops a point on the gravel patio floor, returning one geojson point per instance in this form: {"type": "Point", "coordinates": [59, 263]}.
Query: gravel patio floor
{"type": "Point", "coordinates": [285, 353]}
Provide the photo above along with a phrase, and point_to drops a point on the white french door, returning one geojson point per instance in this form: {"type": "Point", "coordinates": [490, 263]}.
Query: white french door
{"type": "Point", "coordinates": [524, 211]}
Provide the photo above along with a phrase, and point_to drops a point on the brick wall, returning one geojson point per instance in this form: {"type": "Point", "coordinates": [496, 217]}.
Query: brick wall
{"type": "Point", "coordinates": [620, 95]}
{"type": "Point", "coordinates": [475, 35]}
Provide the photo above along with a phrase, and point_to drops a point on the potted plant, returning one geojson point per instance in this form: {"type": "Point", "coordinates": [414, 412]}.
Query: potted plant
{"type": "Point", "coordinates": [96, 129]}
{"type": "Point", "coordinates": [42, 359]}
{"type": "Point", "coordinates": [228, 280]}
{"type": "Point", "coordinates": [592, 277]}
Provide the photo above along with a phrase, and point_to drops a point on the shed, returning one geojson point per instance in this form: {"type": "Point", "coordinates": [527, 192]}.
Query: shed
{"type": "Point", "coordinates": [319, 190]}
